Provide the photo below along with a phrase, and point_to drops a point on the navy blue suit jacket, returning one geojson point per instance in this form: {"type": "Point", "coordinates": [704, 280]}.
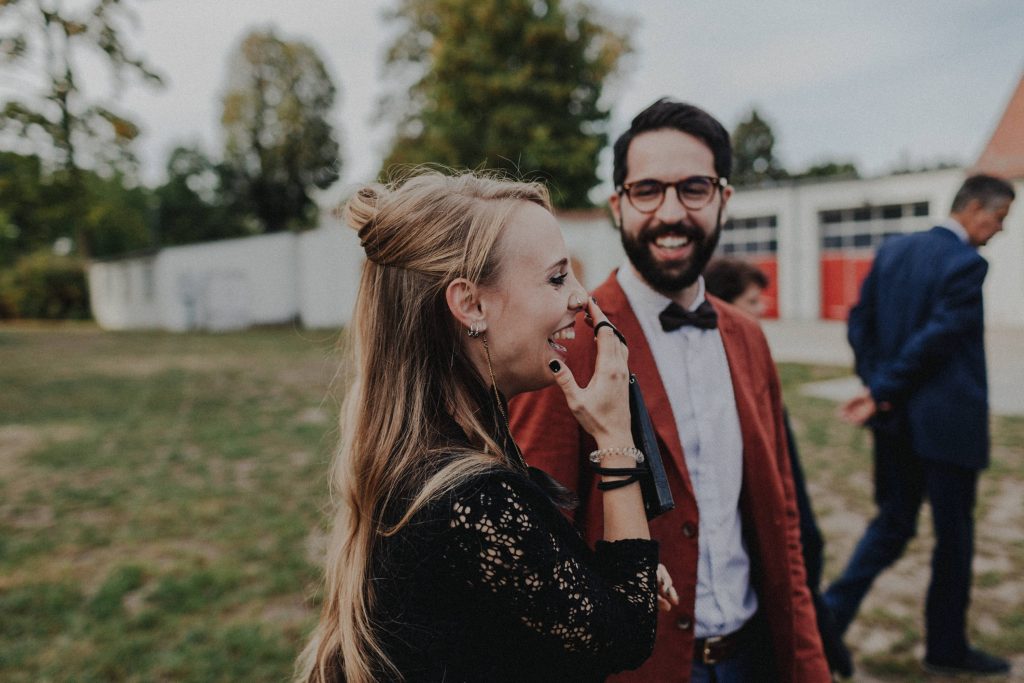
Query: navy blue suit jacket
{"type": "Point", "coordinates": [918, 338]}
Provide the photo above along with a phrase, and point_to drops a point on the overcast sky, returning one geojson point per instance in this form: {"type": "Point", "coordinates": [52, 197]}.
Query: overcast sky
{"type": "Point", "coordinates": [877, 82]}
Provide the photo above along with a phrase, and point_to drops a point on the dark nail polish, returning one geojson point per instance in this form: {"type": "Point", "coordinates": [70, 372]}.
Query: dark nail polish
{"type": "Point", "coordinates": [555, 366]}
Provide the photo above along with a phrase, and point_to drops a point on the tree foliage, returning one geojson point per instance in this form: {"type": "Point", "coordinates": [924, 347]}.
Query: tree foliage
{"type": "Point", "coordinates": [55, 113]}
{"type": "Point", "coordinates": [279, 142]}
{"type": "Point", "coordinates": [754, 160]}
{"type": "Point", "coordinates": [36, 212]}
{"type": "Point", "coordinates": [505, 84]}
{"type": "Point", "coordinates": [193, 205]}
{"type": "Point", "coordinates": [31, 215]}
{"type": "Point", "coordinates": [44, 285]}
{"type": "Point", "coordinates": [44, 42]}
{"type": "Point", "coordinates": [830, 169]}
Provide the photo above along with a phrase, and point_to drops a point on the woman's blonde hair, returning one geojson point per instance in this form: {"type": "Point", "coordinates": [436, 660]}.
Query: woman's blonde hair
{"type": "Point", "coordinates": [411, 369]}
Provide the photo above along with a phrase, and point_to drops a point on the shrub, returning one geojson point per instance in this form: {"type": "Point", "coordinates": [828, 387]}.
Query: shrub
{"type": "Point", "coordinates": [44, 285]}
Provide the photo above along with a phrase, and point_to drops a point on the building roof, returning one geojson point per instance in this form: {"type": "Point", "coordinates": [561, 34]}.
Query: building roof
{"type": "Point", "coordinates": [1004, 154]}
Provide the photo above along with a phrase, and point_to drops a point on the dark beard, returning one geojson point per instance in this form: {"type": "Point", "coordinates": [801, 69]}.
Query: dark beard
{"type": "Point", "coordinates": [680, 274]}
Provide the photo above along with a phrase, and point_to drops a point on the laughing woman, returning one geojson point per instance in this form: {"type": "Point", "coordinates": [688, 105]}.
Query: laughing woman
{"type": "Point", "coordinates": [449, 558]}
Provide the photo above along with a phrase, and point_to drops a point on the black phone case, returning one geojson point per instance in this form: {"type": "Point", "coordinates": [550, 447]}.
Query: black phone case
{"type": "Point", "coordinates": [654, 483]}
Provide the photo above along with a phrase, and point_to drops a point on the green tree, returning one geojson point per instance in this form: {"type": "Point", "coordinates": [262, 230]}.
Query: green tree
{"type": "Point", "coordinates": [41, 43]}
{"type": "Point", "coordinates": [44, 285]}
{"type": "Point", "coordinates": [754, 161]}
{"type": "Point", "coordinates": [279, 142]}
{"type": "Point", "coordinates": [118, 216]}
{"type": "Point", "coordinates": [193, 205]}
{"type": "Point", "coordinates": [23, 196]}
{"type": "Point", "coordinates": [504, 84]}
{"type": "Point", "coordinates": [35, 212]}
{"type": "Point", "coordinates": [830, 169]}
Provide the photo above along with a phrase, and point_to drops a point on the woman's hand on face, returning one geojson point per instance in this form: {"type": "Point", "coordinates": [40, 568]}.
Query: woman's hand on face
{"type": "Point", "coordinates": [602, 408]}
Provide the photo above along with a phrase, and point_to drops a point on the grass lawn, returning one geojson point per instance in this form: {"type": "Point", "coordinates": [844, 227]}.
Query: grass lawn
{"type": "Point", "coordinates": [161, 503]}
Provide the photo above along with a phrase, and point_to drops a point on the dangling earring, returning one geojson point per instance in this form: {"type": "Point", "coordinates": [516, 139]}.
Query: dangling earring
{"type": "Point", "coordinates": [520, 460]}
{"type": "Point", "coordinates": [474, 330]}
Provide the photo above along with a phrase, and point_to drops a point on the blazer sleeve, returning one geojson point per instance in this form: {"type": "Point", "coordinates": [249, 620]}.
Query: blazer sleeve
{"type": "Point", "coordinates": [957, 309]}
{"type": "Point", "coordinates": [861, 330]}
{"type": "Point", "coordinates": [598, 611]}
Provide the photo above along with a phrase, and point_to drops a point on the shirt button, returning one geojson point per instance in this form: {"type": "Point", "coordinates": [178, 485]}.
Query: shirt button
{"type": "Point", "coordinates": [684, 624]}
{"type": "Point", "coordinates": [689, 530]}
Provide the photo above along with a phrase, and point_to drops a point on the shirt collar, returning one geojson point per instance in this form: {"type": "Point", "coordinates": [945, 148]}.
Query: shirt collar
{"type": "Point", "coordinates": [953, 225]}
{"type": "Point", "coordinates": [643, 297]}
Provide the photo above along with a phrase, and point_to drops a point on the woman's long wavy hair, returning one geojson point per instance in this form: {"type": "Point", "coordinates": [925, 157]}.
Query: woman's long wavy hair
{"type": "Point", "coordinates": [411, 370]}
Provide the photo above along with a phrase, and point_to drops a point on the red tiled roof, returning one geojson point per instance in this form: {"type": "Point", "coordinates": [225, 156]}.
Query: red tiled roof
{"type": "Point", "coordinates": [1004, 154]}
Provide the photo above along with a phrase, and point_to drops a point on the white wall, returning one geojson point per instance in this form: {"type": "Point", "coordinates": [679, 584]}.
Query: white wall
{"type": "Point", "coordinates": [314, 276]}
{"type": "Point", "coordinates": [228, 284]}
{"type": "Point", "coordinates": [123, 294]}
{"type": "Point", "coordinates": [331, 261]}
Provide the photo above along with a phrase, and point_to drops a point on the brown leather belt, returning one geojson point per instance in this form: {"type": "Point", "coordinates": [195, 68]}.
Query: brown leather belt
{"type": "Point", "coordinates": [720, 648]}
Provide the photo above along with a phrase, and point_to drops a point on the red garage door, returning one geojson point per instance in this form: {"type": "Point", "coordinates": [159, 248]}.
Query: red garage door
{"type": "Point", "coordinates": [841, 277]}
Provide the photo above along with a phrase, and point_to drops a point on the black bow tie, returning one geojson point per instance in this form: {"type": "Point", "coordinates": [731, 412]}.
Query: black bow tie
{"type": "Point", "coordinates": [675, 316]}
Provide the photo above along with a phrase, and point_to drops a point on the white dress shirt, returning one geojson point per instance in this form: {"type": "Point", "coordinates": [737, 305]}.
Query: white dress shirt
{"type": "Point", "coordinates": [695, 372]}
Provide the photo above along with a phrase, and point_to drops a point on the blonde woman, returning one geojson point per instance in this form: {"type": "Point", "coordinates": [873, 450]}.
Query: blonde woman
{"type": "Point", "coordinates": [449, 559]}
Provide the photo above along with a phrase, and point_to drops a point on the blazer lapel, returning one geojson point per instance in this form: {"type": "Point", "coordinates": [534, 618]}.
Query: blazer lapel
{"type": "Point", "coordinates": [616, 306]}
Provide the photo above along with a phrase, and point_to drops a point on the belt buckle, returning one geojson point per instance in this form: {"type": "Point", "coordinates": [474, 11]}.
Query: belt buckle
{"type": "Point", "coordinates": [706, 657]}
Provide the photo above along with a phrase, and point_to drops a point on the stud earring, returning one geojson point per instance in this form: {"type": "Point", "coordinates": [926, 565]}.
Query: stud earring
{"type": "Point", "coordinates": [475, 329]}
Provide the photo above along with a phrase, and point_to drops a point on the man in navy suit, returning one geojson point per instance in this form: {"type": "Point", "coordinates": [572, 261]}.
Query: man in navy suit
{"type": "Point", "coordinates": [918, 338]}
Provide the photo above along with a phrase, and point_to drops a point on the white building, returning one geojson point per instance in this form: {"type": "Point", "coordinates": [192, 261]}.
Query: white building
{"type": "Point", "coordinates": [815, 240]}
{"type": "Point", "coordinates": [310, 277]}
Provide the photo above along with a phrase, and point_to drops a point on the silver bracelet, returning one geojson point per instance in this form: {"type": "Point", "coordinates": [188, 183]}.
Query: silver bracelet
{"type": "Point", "coordinates": [631, 451]}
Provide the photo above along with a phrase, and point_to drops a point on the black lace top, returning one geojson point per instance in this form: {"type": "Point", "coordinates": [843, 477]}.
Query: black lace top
{"type": "Point", "coordinates": [492, 583]}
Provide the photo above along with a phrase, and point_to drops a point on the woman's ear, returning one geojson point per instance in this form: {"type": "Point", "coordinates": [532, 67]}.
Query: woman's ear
{"type": "Point", "coordinates": [464, 303]}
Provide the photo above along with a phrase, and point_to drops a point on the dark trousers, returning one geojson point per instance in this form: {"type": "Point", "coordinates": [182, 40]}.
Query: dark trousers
{"type": "Point", "coordinates": [811, 540]}
{"type": "Point", "coordinates": [902, 480]}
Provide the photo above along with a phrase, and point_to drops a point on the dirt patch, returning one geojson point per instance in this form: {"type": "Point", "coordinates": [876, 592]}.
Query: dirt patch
{"type": "Point", "coordinates": [313, 416]}
{"type": "Point", "coordinates": [89, 567]}
{"type": "Point", "coordinates": [16, 441]}
{"type": "Point", "coordinates": [1003, 519]}
{"type": "Point", "coordinates": [148, 366]}
{"type": "Point", "coordinates": [316, 547]}
{"type": "Point", "coordinates": [289, 611]}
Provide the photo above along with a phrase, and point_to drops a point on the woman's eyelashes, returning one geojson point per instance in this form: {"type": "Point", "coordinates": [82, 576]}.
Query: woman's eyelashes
{"type": "Point", "coordinates": [558, 280]}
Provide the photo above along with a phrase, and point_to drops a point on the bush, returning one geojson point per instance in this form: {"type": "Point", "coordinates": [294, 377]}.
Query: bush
{"type": "Point", "coordinates": [43, 285]}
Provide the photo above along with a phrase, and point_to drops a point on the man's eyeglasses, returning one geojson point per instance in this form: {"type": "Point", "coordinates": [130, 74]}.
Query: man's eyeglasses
{"type": "Point", "coordinates": [694, 192]}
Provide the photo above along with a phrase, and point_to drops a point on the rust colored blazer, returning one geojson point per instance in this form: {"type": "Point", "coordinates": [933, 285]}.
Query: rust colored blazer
{"type": "Point", "coordinates": [552, 440]}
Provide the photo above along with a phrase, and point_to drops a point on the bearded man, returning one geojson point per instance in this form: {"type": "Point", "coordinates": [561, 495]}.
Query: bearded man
{"type": "Point", "coordinates": [732, 542]}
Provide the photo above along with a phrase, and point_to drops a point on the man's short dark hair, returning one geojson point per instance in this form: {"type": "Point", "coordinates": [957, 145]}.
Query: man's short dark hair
{"type": "Point", "coordinates": [728, 278]}
{"type": "Point", "coordinates": [988, 190]}
{"type": "Point", "coordinates": [680, 116]}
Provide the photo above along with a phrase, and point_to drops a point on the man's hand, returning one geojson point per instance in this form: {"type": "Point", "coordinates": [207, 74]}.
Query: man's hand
{"type": "Point", "coordinates": [858, 409]}
{"type": "Point", "coordinates": [667, 596]}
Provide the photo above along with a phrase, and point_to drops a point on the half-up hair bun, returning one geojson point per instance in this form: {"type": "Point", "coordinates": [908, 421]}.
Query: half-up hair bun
{"type": "Point", "coordinates": [360, 214]}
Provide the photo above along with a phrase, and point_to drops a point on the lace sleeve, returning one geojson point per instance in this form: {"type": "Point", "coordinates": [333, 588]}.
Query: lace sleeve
{"type": "Point", "coordinates": [600, 605]}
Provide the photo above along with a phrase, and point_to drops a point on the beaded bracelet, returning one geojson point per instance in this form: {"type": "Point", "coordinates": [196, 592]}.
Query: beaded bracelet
{"type": "Point", "coordinates": [631, 451]}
